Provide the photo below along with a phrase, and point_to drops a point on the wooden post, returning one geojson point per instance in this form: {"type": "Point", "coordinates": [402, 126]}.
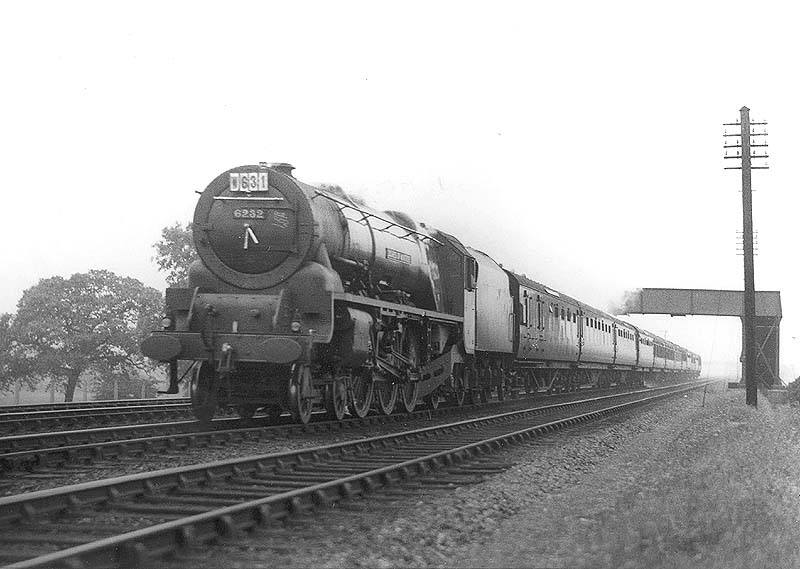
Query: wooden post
{"type": "Point", "coordinates": [749, 321]}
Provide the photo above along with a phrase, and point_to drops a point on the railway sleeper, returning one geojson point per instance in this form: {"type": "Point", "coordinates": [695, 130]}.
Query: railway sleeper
{"type": "Point", "coordinates": [239, 493]}
{"type": "Point", "coordinates": [338, 471]}
{"type": "Point", "coordinates": [262, 479]}
{"type": "Point", "coordinates": [476, 470]}
{"type": "Point", "coordinates": [394, 457]}
{"type": "Point", "coordinates": [160, 508]}
{"type": "Point", "coordinates": [9, 556]}
{"type": "Point", "coordinates": [282, 482]}
{"type": "Point", "coordinates": [348, 465]}
{"type": "Point", "coordinates": [38, 537]}
{"type": "Point", "coordinates": [196, 499]}
{"type": "Point", "coordinates": [397, 492]}
{"type": "Point", "coordinates": [449, 482]}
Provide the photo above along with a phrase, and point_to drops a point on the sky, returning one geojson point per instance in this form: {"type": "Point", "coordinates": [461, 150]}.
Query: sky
{"type": "Point", "coordinates": [579, 143]}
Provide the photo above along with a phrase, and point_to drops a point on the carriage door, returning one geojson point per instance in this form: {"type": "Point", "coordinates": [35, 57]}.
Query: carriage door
{"type": "Point", "coordinates": [615, 339]}
{"type": "Point", "coordinates": [540, 318]}
{"type": "Point", "coordinates": [470, 299]}
{"type": "Point", "coordinates": [581, 321]}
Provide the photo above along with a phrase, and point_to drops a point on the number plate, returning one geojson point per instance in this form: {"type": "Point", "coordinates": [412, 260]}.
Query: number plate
{"type": "Point", "coordinates": [249, 182]}
{"type": "Point", "coordinates": [249, 213]}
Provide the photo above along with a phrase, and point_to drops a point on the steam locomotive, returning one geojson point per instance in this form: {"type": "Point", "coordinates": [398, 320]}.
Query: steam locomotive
{"type": "Point", "coordinates": [305, 298]}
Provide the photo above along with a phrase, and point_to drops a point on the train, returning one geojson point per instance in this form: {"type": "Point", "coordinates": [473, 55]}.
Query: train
{"type": "Point", "coordinates": [305, 299]}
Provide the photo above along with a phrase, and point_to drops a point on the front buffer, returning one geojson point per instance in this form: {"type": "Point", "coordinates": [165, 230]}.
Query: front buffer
{"type": "Point", "coordinates": [247, 349]}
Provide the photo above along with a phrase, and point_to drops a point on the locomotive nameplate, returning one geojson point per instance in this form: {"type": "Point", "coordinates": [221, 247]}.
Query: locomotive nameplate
{"type": "Point", "coordinates": [249, 182]}
{"type": "Point", "coordinates": [398, 256]}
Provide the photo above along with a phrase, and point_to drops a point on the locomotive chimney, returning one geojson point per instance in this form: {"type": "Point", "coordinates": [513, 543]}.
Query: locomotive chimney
{"type": "Point", "coordinates": [282, 167]}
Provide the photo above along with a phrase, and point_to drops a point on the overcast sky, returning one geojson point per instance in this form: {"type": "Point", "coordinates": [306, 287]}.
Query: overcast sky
{"type": "Point", "coordinates": [579, 143]}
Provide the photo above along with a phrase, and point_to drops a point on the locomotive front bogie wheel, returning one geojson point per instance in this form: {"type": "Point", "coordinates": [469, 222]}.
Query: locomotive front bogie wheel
{"type": "Point", "coordinates": [336, 399]}
{"type": "Point", "coordinates": [360, 394]}
{"type": "Point", "coordinates": [203, 392]}
{"type": "Point", "coordinates": [301, 403]}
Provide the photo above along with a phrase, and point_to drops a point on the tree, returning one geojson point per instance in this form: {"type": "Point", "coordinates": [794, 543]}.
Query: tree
{"type": "Point", "coordinates": [92, 321]}
{"type": "Point", "coordinates": [7, 375]}
{"type": "Point", "coordinates": [11, 362]}
{"type": "Point", "coordinates": [175, 252]}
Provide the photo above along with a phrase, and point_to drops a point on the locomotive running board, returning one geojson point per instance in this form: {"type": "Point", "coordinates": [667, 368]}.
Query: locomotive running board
{"type": "Point", "coordinates": [395, 309]}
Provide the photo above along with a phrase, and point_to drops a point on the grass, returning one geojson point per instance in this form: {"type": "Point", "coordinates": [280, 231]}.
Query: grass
{"type": "Point", "coordinates": [726, 497]}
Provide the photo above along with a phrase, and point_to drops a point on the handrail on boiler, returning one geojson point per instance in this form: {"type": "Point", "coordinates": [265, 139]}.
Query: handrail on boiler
{"type": "Point", "coordinates": [389, 222]}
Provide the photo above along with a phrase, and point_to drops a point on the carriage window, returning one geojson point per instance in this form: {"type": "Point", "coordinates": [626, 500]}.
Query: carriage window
{"type": "Point", "coordinates": [470, 273]}
{"type": "Point", "coordinates": [563, 314]}
{"type": "Point", "coordinates": [539, 311]}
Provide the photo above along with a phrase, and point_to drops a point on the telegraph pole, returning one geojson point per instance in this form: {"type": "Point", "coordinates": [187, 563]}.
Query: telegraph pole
{"type": "Point", "coordinates": [749, 321]}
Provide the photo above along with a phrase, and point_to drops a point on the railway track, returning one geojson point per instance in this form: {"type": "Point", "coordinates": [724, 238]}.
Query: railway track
{"type": "Point", "coordinates": [54, 449]}
{"type": "Point", "coordinates": [131, 520]}
{"type": "Point", "coordinates": [62, 405]}
{"type": "Point", "coordinates": [20, 420]}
